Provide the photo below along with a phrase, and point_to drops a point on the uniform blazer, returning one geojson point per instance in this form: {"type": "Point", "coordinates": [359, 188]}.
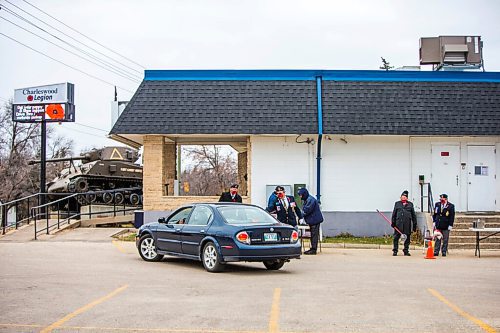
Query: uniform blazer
{"type": "Point", "coordinates": [287, 215]}
{"type": "Point", "coordinates": [312, 211]}
{"type": "Point", "coordinates": [226, 197]}
{"type": "Point", "coordinates": [404, 217]}
{"type": "Point", "coordinates": [444, 217]}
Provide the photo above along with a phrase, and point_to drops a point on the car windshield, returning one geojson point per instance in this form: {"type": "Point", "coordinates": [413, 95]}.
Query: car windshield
{"type": "Point", "coordinates": [245, 215]}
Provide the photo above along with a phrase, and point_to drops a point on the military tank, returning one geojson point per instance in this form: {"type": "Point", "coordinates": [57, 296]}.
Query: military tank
{"type": "Point", "coordinates": [102, 171]}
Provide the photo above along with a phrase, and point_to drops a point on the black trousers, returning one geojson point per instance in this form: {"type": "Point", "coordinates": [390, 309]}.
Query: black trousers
{"type": "Point", "coordinates": [444, 247]}
{"type": "Point", "coordinates": [314, 236]}
{"type": "Point", "coordinates": [397, 236]}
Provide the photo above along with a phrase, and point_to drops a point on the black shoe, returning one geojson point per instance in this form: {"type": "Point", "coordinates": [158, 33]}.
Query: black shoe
{"type": "Point", "coordinates": [407, 254]}
{"type": "Point", "coordinates": [436, 254]}
{"type": "Point", "coordinates": [311, 251]}
{"type": "Point", "coordinates": [444, 254]}
{"type": "Point", "coordinates": [394, 254]}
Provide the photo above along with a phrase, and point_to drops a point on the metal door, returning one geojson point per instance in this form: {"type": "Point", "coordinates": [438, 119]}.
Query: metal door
{"type": "Point", "coordinates": [445, 174]}
{"type": "Point", "coordinates": [481, 169]}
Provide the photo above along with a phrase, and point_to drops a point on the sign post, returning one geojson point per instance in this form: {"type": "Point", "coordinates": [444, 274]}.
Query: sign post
{"type": "Point", "coordinates": [42, 104]}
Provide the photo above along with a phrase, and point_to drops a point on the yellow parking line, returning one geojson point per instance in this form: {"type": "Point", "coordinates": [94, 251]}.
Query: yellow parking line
{"type": "Point", "coordinates": [82, 310]}
{"type": "Point", "coordinates": [164, 330]}
{"type": "Point", "coordinates": [118, 246]}
{"type": "Point", "coordinates": [461, 312]}
{"type": "Point", "coordinates": [275, 312]}
{"type": "Point", "coordinates": [19, 325]}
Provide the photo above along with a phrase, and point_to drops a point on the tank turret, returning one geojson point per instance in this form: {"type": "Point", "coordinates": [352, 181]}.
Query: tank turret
{"type": "Point", "coordinates": [104, 169]}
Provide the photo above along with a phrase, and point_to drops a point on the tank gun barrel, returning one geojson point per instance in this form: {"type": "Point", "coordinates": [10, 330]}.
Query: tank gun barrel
{"type": "Point", "coordinates": [62, 159]}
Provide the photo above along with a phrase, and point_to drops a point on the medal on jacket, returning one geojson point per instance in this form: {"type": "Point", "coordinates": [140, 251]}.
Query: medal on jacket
{"type": "Point", "coordinates": [447, 213]}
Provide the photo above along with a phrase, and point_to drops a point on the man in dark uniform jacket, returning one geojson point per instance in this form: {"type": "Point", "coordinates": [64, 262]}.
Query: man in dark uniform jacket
{"type": "Point", "coordinates": [232, 195]}
{"type": "Point", "coordinates": [284, 206]}
{"type": "Point", "coordinates": [405, 219]}
{"type": "Point", "coordinates": [443, 217]}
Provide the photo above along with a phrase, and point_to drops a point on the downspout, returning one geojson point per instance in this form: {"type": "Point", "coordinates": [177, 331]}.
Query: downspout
{"type": "Point", "coordinates": [320, 137]}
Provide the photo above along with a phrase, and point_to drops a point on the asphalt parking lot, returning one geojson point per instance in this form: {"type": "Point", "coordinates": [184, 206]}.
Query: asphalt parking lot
{"type": "Point", "coordinates": [67, 284]}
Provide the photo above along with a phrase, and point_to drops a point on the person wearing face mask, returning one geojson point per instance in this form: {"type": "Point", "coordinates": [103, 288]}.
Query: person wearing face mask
{"type": "Point", "coordinates": [443, 217]}
{"type": "Point", "coordinates": [285, 207]}
{"type": "Point", "coordinates": [232, 195]}
{"type": "Point", "coordinates": [405, 219]}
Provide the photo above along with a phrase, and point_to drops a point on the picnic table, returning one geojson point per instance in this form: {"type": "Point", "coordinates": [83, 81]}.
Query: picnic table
{"type": "Point", "coordinates": [492, 231]}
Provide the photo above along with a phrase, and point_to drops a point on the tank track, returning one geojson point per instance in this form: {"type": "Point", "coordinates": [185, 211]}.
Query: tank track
{"type": "Point", "coordinates": [99, 183]}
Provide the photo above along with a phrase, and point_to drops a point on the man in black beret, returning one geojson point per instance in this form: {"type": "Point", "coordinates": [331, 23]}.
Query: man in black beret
{"type": "Point", "coordinates": [405, 219]}
{"type": "Point", "coordinates": [232, 195]}
{"type": "Point", "coordinates": [443, 217]}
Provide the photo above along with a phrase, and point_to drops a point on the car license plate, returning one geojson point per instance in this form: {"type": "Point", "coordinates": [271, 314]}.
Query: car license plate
{"type": "Point", "coordinates": [270, 237]}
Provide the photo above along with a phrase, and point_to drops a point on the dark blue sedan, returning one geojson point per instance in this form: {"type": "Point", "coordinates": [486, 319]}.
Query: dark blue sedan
{"type": "Point", "coordinates": [218, 233]}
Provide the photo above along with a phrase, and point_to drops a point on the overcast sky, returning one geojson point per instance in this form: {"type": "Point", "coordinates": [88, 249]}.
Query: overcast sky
{"type": "Point", "coordinates": [222, 34]}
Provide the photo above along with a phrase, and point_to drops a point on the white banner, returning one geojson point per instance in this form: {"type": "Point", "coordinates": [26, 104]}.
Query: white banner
{"type": "Point", "coordinates": [49, 94]}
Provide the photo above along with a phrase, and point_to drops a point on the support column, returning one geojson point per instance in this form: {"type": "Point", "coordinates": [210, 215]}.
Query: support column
{"type": "Point", "coordinates": [242, 173]}
{"type": "Point", "coordinates": [152, 178]}
{"type": "Point", "coordinates": [169, 167]}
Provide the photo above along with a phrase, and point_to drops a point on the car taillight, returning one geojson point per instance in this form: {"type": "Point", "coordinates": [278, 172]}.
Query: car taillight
{"type": "Point", "coordinates": [243, 237]}
{"type": "Point", "coordinates": [294, 237]}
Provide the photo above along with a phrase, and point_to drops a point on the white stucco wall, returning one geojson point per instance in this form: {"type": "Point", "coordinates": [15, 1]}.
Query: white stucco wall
{"type": "Point", "coordinates": [422, 164]}
{"type": "Point", "coordinates": [362, 175]}
{"type": "Point", "coordinates": [280, 160]}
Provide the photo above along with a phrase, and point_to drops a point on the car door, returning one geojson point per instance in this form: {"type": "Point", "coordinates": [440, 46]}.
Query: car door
{"type": "Point", "coordinates": [195, 230]}
{"type": "Point", "coordinates": [169, 232]}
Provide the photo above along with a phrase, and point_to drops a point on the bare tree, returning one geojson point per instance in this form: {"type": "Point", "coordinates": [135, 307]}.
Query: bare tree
{"type": "Point", "coordinates": [20, 143]}
{"type": "Point", "coordinates": [212, 170]}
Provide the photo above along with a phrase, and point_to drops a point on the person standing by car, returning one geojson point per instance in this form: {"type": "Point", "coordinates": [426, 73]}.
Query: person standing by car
{"type": "Point", "coordinates": [443, 217]}
{"type": "Point", "coordinates": [312, 216]}
{"type": "Point", "coordinates": [405, 219]}
{"type": "Point", "coordinates": [285, 207]}
{"type": "Point", "coordinates": [232, 195]}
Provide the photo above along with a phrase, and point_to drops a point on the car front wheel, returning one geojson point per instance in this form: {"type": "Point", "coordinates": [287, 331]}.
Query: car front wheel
{"type": "Point", "coordinates": [147, 249]}
{"type": "Point", "coordinates": [210, 258]}
{"type": "Point", "coordinates": [274, 265]}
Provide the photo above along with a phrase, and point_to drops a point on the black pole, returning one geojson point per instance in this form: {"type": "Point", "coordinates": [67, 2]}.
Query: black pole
{"type": "Point", "coordinates": [43, 157]}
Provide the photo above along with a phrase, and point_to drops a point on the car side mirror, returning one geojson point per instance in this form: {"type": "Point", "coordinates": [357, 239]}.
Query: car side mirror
{"type": "Point", "coordinates": [161, 220]}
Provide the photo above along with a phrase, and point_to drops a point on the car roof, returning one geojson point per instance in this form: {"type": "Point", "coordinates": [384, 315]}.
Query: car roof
{"type": "Point", "coordinates": [215, 204]}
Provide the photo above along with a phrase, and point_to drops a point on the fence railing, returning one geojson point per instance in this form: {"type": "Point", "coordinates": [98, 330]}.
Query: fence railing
{"type": "Point", "coordinates": [67, 207]}
{"type": "Point", "coordinates": [427, 197]}
{"type": "Point", "coordinates": [119, 206]}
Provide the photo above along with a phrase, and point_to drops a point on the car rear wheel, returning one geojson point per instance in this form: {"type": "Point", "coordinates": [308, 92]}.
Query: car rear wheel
{"type": "Point", "coordinates": [274, 265]}
{"type": "Point", "coordinates": [147, 249]}
{"type": "Point", "coordinates": [210, 258]}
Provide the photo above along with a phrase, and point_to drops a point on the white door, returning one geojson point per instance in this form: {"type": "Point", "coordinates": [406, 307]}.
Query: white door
{"type": "Point", "coordinates": [481, 194]}
{"type": "Point", "coordinates": [445, 173]}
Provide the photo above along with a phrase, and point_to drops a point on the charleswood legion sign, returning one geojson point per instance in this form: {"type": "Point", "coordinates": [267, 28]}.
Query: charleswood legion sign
{"type": "Point", "coordinates": [50, 103]}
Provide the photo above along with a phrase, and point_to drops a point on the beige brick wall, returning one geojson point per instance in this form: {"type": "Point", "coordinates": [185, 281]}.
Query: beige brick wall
{"type": "Point", "coordinates": [159, 159]}
{"type": "Point", "coordinates": [173, 202]}
{"type": "Point", "coordinates": [242, 172]}
{"type": "Point", "coordinates": [169, 163]}
{"type": "Point", "coordinates": [153, 179]}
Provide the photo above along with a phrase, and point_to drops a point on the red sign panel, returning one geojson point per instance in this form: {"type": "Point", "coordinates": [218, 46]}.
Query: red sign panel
{"type": "Point", "coordinates": [445, 153]}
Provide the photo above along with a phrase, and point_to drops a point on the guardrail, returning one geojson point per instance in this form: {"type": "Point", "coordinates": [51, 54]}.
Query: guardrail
{"type": "Point", "coordinates": [75, 200]}
{"type": "Point", "coordinates": [28, 209]}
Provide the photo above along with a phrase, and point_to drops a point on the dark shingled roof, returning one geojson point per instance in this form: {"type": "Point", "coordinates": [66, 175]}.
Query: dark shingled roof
{"type": "Point", "coordinates": [289, 107]}
{"type": "Point", "coordinates": [411, 108]}
{"type": "Point", "coordinates": [220, 107]}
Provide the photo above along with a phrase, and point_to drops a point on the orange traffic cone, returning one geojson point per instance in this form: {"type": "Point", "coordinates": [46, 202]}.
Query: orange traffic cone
{"type": "Point", "coordinates": [430, 251]}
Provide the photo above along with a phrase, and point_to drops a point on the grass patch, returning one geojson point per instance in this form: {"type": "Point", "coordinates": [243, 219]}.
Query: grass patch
{"type": "Point", "coordinates": [416, 239]}
{"type": "Point", "coordinates": [126, 237]}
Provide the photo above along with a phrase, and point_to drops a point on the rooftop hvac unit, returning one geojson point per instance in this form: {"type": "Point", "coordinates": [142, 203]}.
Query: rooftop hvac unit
{"type": "Point", "coordinates": [451, 50]}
